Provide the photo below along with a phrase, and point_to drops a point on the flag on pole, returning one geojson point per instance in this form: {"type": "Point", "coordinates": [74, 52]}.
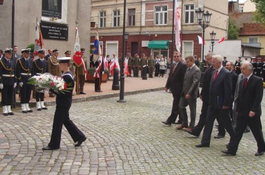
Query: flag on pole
{"type": "Point", "coordinates": [222, 39]}
{"type": "Point", "coordinates": [201, 40]}
{"type": "Point", "coordinates": [77, 40]}
{"type": "Point", "coordinates": [177, 27]}
{"type": "Point", "coordinates": [39, 44]}
{"type": "Point", "coordinates": [97, 48]}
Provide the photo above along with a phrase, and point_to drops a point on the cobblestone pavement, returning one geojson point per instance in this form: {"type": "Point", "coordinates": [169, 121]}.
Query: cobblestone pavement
{"type": "Point", "coordinates": [122, 139]}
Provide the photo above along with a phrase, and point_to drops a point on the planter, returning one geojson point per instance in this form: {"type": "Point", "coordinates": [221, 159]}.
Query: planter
{"type": "Point", "coordinates": [91, 79]}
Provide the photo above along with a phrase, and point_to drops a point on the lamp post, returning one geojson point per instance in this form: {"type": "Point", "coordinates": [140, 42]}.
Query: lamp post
{"type": "Point", "coordinates": [203, 21]}
{"type": "Point", "coordinates": [126, 39]}
{"type": "Point", "coordinates": [212, 35]}
{"type": "Point", "coordinates": [121, 100]}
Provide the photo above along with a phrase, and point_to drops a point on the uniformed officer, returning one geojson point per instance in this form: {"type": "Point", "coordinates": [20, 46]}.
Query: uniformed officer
{"type": "Point", "coordinates": [237, 66]}
{"type": "Point", "coordinates": [263, 71]}
{"type": "Point", "coordinates": [80, 74]}
{"type": "Point", "coordinates": [61, 116]}
{"type": "Point", "coordinates": [259, 67]}
{"type": "Point", "coordinates": [7, 81]}
{"type": "Point", "coordinates": [40, 66]}
{"type": "Point", "coordinates": [254, 63]}
{"type": "Point", "coordinates": [151, 65]}
{"type": "Point", "coordinates": [143, 64]}
{"type": "Point", "coordinates": [23, 73]}
{"type": "Point", "coordinates": [129, 63]}
{"type": "Point", "coordinates": [53, 65]}
{"type": "Point", "coordinates": [136, 65]}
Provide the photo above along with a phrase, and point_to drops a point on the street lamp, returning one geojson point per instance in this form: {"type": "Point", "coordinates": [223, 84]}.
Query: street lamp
{"type": "Point", "coordinates": [203, 20]}
{"type": "Point", "coordinates": [126, 39]}
{"type": "Point", "coordinates": [212, 35]}
{"type": "Point", "coordinates": [121, 100]}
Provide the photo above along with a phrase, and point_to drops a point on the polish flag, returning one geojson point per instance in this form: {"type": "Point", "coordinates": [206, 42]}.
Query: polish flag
{"type": "Point", "coordinates": [222, 39]}
{"type": "Point", "coordinates": [201, 40]}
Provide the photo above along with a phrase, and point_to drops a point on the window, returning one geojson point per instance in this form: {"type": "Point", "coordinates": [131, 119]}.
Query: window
{"type": "Point", "coordinates": [253, 40]}
{"type": "Point", "coordinates": [189, 13]}
{"type": "Point", "coordinates": [102, 19]}
{"type": "Point", "coordinates": [116, 18]}
{"type": "Point", "coordinates": [187, 48]}
{"type": "Point", "coordinates": [240, 9]}
{"type": "Point", "coordinates": [161, 15]}
{"type": "Point", "coordinates": [131, 17]}
{"type": "Point", "coordinates": [52, 8]}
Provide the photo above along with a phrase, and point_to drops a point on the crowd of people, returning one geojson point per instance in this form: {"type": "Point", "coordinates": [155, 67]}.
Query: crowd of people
{"type": "Point", "coordinates": [231, 93]}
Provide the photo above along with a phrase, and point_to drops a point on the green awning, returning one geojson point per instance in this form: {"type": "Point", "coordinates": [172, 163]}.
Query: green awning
{"type": "Point", "coordinates": [158, 44]}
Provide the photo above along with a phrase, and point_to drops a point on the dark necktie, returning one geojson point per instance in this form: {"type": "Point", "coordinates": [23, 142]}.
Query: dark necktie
{"type": "Point", "coordinates": [245, 83]}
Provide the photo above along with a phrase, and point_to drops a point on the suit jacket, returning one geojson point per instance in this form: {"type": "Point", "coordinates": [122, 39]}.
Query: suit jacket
{"type": "Point", "coordinates": [191, 82]}
{"type": "Point", "coordinates": [249, 98]}
{"type": "Point", "coordinates": [220, 90]}
{"type": "Point", "coordinates": [239, 78]}
{"type": "Point", "coordinates": [206, 84]}
{"type": "Point", "coordinates": [234, 77]}
{"type": "Point", "coordinates": [176, 78]}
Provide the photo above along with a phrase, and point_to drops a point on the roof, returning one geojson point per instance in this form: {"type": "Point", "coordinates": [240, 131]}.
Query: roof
{"type": "Point", "coordinates": [252, 29]}
{"type": "Point", "coordinates": [252, 45]}
{"type": "Point", "coordinates": [241, 18]}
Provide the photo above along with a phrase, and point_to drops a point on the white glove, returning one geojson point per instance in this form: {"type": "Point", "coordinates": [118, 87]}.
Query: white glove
{"type": "Point", "coordinates": [15, 85]}
{"type": "Point", "coordinates": [1, 86]}
{"type": "Point", "coordinates": [21, 84]}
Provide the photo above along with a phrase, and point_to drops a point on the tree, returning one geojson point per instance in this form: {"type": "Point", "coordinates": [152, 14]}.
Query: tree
{"type": "Point", "coordinates": [233, 30]}
{"type": "Point", "coordinates": [260, 11]}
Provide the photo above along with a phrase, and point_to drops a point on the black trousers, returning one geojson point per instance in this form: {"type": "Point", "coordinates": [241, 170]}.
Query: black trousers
{"type": "Point", "coordinates": [81, 83]}
{"type": "Point", "coordinates": [61, 117]}
{"type": "Point", "coordinates": [198, 128]}
{"type": "Point", "coordinates": [97, 85]}
{"type": "Point", "coordinates": [255, 125]}
{"type": "Point", "coordinates": [222, 116]}
{"type": "Point", "coordinates": [221, 129]}
{"type": "Point", "coordinates": [175, 110]}
{"type": "Point", "coordinates": [39, 96]}
{"type": "Point", "coordinates": [7, 94]}
{"type": "Point", "coordinates": [25, 92]}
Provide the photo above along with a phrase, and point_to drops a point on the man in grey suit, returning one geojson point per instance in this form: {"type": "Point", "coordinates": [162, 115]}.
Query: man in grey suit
{"type": "Point", "coordinates": [190, 93]}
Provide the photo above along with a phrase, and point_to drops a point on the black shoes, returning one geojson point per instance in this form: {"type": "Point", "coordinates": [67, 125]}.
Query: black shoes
{"type": "Point", "coordinates": [166, 123]}
{"type": "Point", "coordinates": [202, 145]}
{"type": "Point", "coordinates": [79, 143]}
{"type": "Point", "coordinates": [83, 93]}
{"type": "Point", "coordinates": [49, 148]}
{"type": "Point", "coordinates": [228, 153]}
{"type": "Point", "coordinates": [259, 153]}
{"type": "Point", "coordinates": [192, 133]}
{"type": "Point", "coordinates": [219, 136]}
{"type": "Point", "coordinates": [178, 122]}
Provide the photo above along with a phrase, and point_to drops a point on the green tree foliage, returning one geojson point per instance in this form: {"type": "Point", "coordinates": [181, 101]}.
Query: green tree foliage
{"type": "Point", "coordinates": [233, 30]}
{"type": "Point", "coordinates": [260, 11]}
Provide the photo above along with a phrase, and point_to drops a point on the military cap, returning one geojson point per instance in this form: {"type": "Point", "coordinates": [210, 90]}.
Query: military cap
{"type": "Point", "coordinates": [8, 50]}
{"type": "Point", "coordinates": [64, 59]}
{"type": "Point", "coordinates": [41, 51]}
{"type": "Point", "coordinates": [55, 50]}
{"type": "Point", "coordinates": [25, 50]}
{"type": "Point", "coordinates": [67, 52]}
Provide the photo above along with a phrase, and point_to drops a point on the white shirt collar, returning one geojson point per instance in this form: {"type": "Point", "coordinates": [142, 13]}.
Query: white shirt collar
{"type": "Point", "coordinates": [249, 76]}
{"type": "Point", "coordinates": [219, 69]}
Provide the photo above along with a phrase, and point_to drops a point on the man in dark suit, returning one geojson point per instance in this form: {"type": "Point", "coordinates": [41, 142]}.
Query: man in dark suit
{"type": "Point", "coordinates": [175, 84]}
{"type": "Point", "coordinates": [204, 96]}
{"type": "Point", "coordinates": [190, 93]}
{"type": "Point", "coordinates": [237, 66]}
{"type": "Point", "coordinates": [230, 67]}
{"type": "Point", "coordinates": [249, 110]}
{"type": "Point", "coordinates": [219, 101]}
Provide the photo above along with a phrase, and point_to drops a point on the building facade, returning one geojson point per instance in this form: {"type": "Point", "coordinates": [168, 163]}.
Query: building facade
{"type": "Point", "coordinates": [151, 20]}
{"type": "Point", "coordinates": [58, 23]}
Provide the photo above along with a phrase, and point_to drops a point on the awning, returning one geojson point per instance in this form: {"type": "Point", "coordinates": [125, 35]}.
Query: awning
{"type": "Point", "coordinates": [158, 44]}
{"type": "Point", "coordinates": [252, 45]}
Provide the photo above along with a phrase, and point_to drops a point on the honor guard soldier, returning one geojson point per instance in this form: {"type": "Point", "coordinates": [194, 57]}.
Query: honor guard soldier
{"type": "Point", "coordinates": [136, 65]}
{"type": "Point", "coordinates": [53, 65]}
{"type": "Point", "coordinates": [259, 68]}
{"type": "Point", "coordinates": [7, 81]}
{"type": "Point", "coordinates": [237, 66]}
{"type": "Point", "coordinates": [61, 116]}
{"type": "Point", "coordinates": [263, 71]}
{"type": "Point", "coordinates": [143, 64]}
{"type": "Point", "coordinates": [151, 66]}
{"type": "Point", "coordinates": [40, 66]}
{"type": "Point", "coordinates": [23, 72]}
{"type": "Point", "coordinates": [129, 64]}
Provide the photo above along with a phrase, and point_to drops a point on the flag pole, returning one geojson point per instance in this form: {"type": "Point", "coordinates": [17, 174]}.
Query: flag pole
{"type": "Point", "coordinates": [173, 27]}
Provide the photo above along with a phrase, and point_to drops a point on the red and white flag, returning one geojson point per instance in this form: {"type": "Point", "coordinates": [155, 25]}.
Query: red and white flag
{"type": "Point", "coordinates": [114, 64]}
{"type": "Point", "coordinates": [39, 44]}
{"type": "Point", "coordinates": [126, 67]}
{"type": "Point", "coordinates": [201, 40]}
{"type": "Point", "coordinates": [222, 39]}
{"type": "Point", "coordinates": [177, 23]}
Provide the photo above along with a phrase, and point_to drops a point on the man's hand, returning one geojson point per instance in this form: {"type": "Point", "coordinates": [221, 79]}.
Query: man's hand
{"type": "Point", "coordinates": [225, 107]}
{"type": "Point", "coordinates": [166, 89]}
{"type": "Point", "coordinates": [201, 97]}
{"type": "Point", "coordinates": [1, 86]}
{"type": "Point", "coordinates": [21, 84]}
{"type": "Point", "coordinates": [251, 114]}
{"type": "Point", "coordinates": [15, 85]}
{"type": "Point", "coordinates": [187, 96]}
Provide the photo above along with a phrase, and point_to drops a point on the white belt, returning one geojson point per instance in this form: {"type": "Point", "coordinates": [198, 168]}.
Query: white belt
{"type": "Point", "coordinates": [8, 75]}
{"type": "Point", "coordinates": [27, 74]}
{"type": "Point", "coordinates": [38, 73]}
